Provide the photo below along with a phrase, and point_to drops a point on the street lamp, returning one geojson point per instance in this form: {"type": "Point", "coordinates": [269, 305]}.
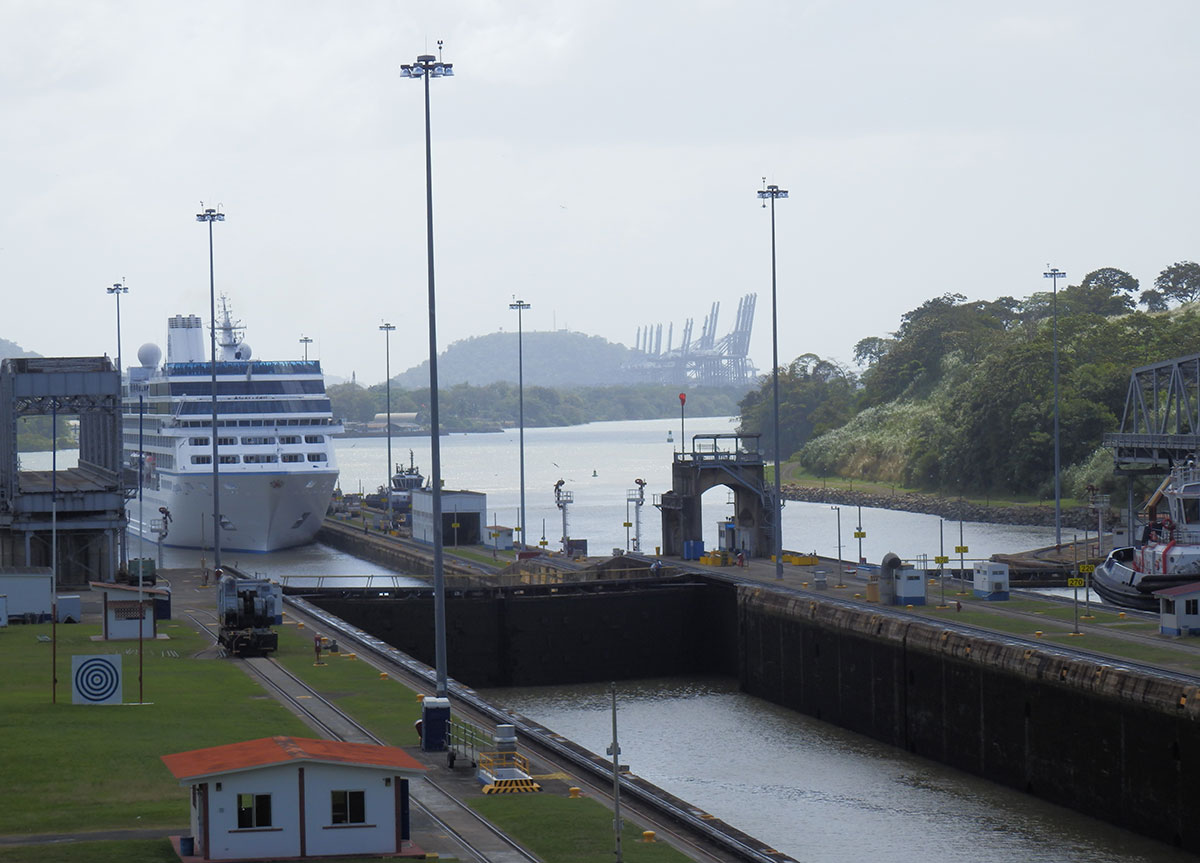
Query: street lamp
{"type": "Point", "coordinates": [425, 67]}
{"type": "Point", "coordinates": [841, 569]}
{"type": "Point", "coordinates": [521, 306]}
{"type": "Point", "coordinates": [306, 341]}
{"type": "Point", "coordinates": [773, 192]}
{"type": "Point", "coordinates": [211, 215]}
{"type": "Point", "coordinates": [117, 290]}
{"type": "Point", "coordinates": [1056, 274]}
{"type": "Point", "coordinates": [387, 360]}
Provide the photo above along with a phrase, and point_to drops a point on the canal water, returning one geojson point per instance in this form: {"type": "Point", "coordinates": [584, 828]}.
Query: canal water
{"type": "Point", "coordinates": [808, 788]}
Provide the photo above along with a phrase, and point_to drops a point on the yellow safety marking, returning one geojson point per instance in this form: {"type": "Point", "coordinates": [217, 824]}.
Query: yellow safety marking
{"type": "Point", "coordinates": [512, 786]}
{"type": "Point", "coordinates": [546, 777]}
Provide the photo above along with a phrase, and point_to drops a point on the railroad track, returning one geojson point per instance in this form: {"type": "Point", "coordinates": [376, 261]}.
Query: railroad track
{"type": "Point", "coordinates": [434, 802]}
{"type": "Point", "coordinates": [692, 831]}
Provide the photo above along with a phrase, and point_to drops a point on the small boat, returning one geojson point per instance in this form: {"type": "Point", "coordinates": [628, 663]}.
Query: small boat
{"type": "Point", "coordinates": [1169, 552]}
{"type": "Point", "coordinates": [404, 480]}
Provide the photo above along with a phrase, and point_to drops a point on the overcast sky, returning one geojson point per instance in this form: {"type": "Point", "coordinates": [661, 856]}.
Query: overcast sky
{"type": "Point", "coordinates": [598, 159]}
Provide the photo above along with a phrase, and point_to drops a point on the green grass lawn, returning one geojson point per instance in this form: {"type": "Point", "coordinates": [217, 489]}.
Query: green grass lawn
{"type": "Point", "coordinates": [76, 768]}
{"type": "Point", "coordinates": [124, 851]}
{"type": "Point", "coordinates": [386, 707]}
{"type": "Point", "coordinates": [561, 830]}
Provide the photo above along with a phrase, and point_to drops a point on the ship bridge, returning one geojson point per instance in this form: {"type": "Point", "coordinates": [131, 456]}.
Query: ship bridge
{"type": "Point", "coordinates": [731, 460]}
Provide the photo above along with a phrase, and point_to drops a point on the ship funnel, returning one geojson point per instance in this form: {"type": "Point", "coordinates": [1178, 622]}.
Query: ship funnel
{"type": "Point", "coordinates": [185, 339]}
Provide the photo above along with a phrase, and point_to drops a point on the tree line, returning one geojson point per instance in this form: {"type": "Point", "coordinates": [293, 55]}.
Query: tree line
{"type": "Point", "coordinates": [960, 397]}
{"type": "Point", "coordinates": [497, 404]}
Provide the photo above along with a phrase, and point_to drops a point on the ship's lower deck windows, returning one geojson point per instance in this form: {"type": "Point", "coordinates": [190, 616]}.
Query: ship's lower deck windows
{"type": "Point", "coordinates": [291, 457]}
{"type": "Point", "coordinates": [230, 459]}
{"type": "Point", "coordinates": [201, 459]}
{"type": "Point", "coordinates": [260, 459]}
{"type": "Point", "coordinates": [316, 456]}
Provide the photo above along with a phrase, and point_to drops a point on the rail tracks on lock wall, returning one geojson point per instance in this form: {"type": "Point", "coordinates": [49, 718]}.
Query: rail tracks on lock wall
{"type": "Point", "coordinates": [434, 802]}
{"type": "Point", "coordinates": [689, 829]}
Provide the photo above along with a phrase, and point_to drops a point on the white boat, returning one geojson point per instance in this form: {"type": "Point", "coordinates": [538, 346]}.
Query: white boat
{"type": "Point", "coordinates": [276, 464]}
{"type": "Point", "coordinates": [1169, 553]}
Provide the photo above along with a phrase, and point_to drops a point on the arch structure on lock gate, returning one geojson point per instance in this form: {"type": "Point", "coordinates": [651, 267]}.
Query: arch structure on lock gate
{"type": "Point", "coordinates": [731, 460]}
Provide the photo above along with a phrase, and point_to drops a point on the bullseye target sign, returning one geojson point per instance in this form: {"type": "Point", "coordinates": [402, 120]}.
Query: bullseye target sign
{"type": "Point", "coordinates": [96, 679]}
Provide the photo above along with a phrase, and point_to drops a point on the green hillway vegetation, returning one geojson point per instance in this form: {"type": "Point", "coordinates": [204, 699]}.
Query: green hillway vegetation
{"type": "Point", "coordinates": [465, 406]}
{"type": "Point", "coordinates": [959, 400]}
{"type": "Point", "coordinates": [74, 769]}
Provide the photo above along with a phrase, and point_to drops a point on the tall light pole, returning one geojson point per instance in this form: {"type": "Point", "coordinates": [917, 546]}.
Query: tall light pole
{"type": "Point", "coordinates": [117, 289]}
{"type": "Point", "coordinates": [773, 192]}
{"type": "Point", "coordinates": [306, 341]}
{"type": "Point", "coordinates": [425, 67]}
{"type": "Point", "coordinates": [1056, 274]}
{"type": "Point", "coordinates": [521, 306]}
{"type": "Point", "coordinates": [211, 215]}
{"type": "Point", "coordinates": [387, 365]}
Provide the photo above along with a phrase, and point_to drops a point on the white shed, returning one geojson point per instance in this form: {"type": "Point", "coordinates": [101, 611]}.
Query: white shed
{"type": "Point", "coordinates": [1179, 609]}
{"type": "Point", "coordinates": [296, 797]}
{"type": "Point", "coordinates": [30, 592]}
{"type": "Point", "coordinates": [121, 610]}
{"type": "Point", "coordinates": [499, 537]}
{"type": "Point", "coordinates": [991, 580]}
{"type": "Point", "coordinates": [464, 517]}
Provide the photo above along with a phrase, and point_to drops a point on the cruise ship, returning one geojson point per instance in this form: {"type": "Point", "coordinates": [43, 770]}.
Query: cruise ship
{"type": "Point", "coordinates": [276, 464]}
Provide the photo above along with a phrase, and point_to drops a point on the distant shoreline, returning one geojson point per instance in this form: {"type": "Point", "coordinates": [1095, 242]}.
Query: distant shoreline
{"type": "Point", "coordinates": [952, 509]}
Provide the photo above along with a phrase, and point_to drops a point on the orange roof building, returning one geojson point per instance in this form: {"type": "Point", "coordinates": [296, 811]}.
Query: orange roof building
{"type": "Point", "coordinates": [296, 797]}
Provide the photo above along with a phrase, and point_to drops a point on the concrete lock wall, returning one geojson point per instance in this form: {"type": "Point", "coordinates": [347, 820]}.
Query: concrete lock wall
{"type": "Point", "coordinates": [1109, 742]}
{"type": "Point", "coordinates": [503, 638]}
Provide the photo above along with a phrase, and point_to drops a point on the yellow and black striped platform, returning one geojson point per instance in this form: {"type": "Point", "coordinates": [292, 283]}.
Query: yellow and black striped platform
{"type": "Point", "coordinates": [511, 786]}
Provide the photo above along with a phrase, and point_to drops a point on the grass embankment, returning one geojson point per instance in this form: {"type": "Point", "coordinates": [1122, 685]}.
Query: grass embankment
{"type": "Point", "coordinates": [74, 768]}
{"type": "Point", "coordinates": [1056, 623]}
{"type": "Point", "coordinates": [793, 473]}
{"type": "Point", "coordinates": [561, 830]}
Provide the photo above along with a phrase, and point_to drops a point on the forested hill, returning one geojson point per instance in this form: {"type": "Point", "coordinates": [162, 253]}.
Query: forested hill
{"type": "Point", "coordinates": [12, 349]}
{"type": "Point", "coordinates": [960, 398]}
{"type": "Point", "coordinates": [551, 359]}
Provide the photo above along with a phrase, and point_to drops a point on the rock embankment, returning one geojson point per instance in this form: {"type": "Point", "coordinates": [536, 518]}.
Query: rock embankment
{"type": "Point", "coordinates": [946, 507]}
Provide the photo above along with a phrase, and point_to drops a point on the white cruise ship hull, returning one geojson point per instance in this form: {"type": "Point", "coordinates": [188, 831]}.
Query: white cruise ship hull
{"type": "Point", "coordinates": [260, 511]}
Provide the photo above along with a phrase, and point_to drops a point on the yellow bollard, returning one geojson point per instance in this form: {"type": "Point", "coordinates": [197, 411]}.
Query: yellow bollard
{"type": "Point", "coordinates": [299, 624]}
{"type": "Point", "coordinates": [573, 793]}
{"type": "Point", "coordinates": [647, 835]}
{"type": "Point", "coordinates": [1120, 614]}
{"type": "Point", "coordinates": [1037, 634]}
{"type": "Point", "coordinates": [420, 697]}
{"type": "Point", "coordinates": [383, 675]}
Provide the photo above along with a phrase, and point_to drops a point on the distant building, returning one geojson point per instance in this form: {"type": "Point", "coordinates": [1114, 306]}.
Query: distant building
{"type": "Point", "coordinates": [466, 509]}
{"type": "Point", "coordinates": [296, 797]}
{"type": "Point", "coordinates": [1179, 609]}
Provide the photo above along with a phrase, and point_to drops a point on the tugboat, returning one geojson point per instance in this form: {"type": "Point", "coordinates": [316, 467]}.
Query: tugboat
{"type": "Point", "coordinates": [1169, 553]}
{"type": "Point", "coordinates": [404, 480]}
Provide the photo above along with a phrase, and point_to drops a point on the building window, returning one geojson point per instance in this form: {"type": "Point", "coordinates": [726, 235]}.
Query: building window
{"type": "Point", "coordinates": [253, 810]}
{"type": "Point", "coordinates": [1191, 606]}
{"type": "Point", "coordinates": [349, 807]}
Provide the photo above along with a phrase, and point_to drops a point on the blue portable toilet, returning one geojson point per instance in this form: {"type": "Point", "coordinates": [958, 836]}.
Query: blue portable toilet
{"type": "Point", "coordinates": [435, 724]}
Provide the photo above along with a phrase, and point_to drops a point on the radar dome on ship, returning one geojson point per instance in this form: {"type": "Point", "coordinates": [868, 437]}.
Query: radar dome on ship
{"type": "Point", "coordinates": [242, 352]}
{"type": "Point", "coordinates": [149, 355]}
